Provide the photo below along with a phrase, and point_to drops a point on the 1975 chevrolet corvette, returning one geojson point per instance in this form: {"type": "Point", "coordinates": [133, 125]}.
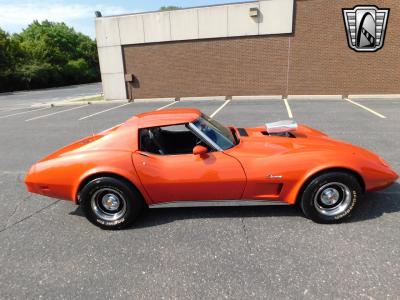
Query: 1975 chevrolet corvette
{"type": "Point", "coordinates": [184, 156]}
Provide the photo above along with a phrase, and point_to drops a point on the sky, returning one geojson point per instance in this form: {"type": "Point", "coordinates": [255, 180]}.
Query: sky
{"type": "Point", "coordinates": [16, 15]}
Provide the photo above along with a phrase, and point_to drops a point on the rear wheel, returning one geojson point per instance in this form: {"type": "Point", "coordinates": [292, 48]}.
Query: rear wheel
{"type": "Point", "coordinates": [111, 203]}
{"type": "Point", "coordinates": [330, 197]}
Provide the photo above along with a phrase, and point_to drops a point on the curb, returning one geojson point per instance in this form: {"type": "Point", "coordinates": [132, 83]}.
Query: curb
{"type": "Point", "coordinates": [202, 98]}
{"type": "Point", "coordinates": [75, 103]}
{"type": "Point", "coordinates": [261, 97]}
{"type": "Point", "coordinates": [83, 98]}
{"type": "Point", "coordinates": [373, 97]}
{"type": "Point", "coordinates": [149, 100]}
{"type": "Point", "coordinates": [315, 97]}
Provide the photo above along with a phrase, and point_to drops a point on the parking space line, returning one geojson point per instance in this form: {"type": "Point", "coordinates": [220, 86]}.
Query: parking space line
{"type": "Point", "coordinates": [289, 111]}
{"type": "Point", "coordinates": [55, 113]}
{"type": "Point", "coordinates": [103, 111]}
{"type": "Point", "coordinates": [24, 112]}
{"type": "Point", "coordinates": [168, 105]}
{"type": "Point", "coordinates": [9, 109]}
{"type": "Point", "coordinates": [366, 108]}
{"type": "Point", "coordinates": [220, 108]}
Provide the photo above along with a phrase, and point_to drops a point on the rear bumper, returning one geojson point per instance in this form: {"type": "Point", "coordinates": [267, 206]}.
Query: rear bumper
{"type": "Point", "coordinates": [37, 184]}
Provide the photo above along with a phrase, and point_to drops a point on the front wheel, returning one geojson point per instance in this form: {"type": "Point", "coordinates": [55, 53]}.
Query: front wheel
{"type": "Point", "coordinates": [330, 197]}
{"type": "Point", "coordinates": [111, 203]}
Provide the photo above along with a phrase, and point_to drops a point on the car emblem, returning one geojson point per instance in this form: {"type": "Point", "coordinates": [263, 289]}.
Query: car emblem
{"type": "Point", "coordinates": [366, 27]}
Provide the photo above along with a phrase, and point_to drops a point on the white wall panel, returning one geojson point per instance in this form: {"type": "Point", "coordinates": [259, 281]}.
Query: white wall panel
{"type": "Point", "coordinates": [131, 29]}
{"type": "Point", "coordinates": [184, 24]}
{"type": "Point", "coordinates": [107, 32]}
{"type": "Point", "coordinates": [157, 27]}
{"type": "Point", "coordinates": [239, 21]}
{"type": "Point", "coordinates": [277, 17]}
{"type": "Point", "coordinates": [213, 22]}
{"type": "Point", "coordinates": [114, 86]}
{"type": "Point", "coordinates": [111, 59]}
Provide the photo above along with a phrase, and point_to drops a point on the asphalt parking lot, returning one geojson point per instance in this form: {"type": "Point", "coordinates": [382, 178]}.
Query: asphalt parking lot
{"type": "Point", "coordinates": [48, 249]}
{"type": "Point", "coordinates": [14, 101]}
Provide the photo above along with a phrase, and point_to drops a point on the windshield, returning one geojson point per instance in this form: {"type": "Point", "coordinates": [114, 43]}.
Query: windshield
{"type": "Point", "coordinates": [218, 133]}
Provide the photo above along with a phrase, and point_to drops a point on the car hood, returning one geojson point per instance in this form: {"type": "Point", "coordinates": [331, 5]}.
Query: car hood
{"type": "Point", "coordinates": [256, 141]}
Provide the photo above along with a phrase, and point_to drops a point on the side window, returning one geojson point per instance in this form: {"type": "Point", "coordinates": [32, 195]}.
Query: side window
{"type": "Point", "coordinates": [167, 140]}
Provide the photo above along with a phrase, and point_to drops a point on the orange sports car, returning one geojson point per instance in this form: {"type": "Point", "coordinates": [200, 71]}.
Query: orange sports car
{"type": "Point", "coordinates": [183, 156]}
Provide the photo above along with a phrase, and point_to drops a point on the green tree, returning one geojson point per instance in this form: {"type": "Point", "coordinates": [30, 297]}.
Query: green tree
{"type": "Point", "coordinates": [4, 50]}
{"type": "Point", "coordinates": [169, 7]}
{"type": "Point", "coordinates": [47, 54]}
{"type": "Point", "coordinates": [55, 43]}
{"type": "Point", "coordinates": [9, 55]}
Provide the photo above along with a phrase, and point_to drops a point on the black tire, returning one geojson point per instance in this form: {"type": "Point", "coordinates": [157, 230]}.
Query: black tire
{"type": "Point", "coordinates": [330, 197]}
{"type": "Point", "coordinates": [111, 203]}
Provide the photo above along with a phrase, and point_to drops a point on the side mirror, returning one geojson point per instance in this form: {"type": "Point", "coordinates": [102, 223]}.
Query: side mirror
{"type": "Point", "coordinates": [199, 150]}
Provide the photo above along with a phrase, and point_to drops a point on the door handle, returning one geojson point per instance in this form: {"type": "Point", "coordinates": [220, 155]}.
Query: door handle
{"type": "Point", "coordinates": [143, 153]}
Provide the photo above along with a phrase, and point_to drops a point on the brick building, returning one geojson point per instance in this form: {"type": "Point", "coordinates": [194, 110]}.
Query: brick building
{"type": "Point", "coordinates": [266, 47]}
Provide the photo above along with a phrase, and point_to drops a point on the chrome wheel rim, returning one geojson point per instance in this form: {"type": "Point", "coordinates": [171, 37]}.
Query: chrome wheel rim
{"type": "Point", "coordinates": [108, 204]}
{"type": "Point", "coordinates": [332, 199]}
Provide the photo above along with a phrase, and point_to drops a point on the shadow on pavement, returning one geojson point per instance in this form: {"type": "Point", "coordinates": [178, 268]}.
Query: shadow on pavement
{"type": "Point", "coordinates": [377, 204]}
{"type": "Point", "coordinates": [373, 206]}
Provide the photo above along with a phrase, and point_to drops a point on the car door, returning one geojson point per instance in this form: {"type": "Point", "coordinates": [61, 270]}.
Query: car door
{"type": "Point", "coordinates": [180, 177]}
